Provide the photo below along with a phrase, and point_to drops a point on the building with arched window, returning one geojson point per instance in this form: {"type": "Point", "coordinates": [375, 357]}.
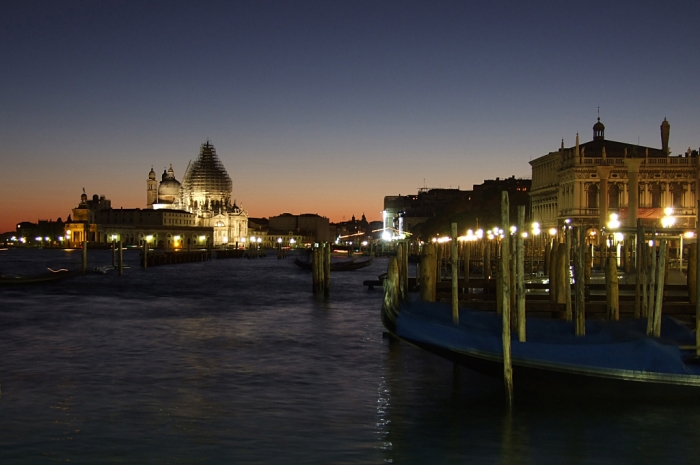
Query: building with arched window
{"type": "Point", "coordinates": [589, 181]}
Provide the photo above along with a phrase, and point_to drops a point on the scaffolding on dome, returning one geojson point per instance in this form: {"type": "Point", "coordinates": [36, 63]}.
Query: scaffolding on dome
{"type": "Point", "coordinates": [206, 184]}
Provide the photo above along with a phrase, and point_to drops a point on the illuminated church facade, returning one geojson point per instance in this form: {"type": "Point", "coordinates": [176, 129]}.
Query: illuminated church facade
{"type": "Point", "coordinates": [205, 191]}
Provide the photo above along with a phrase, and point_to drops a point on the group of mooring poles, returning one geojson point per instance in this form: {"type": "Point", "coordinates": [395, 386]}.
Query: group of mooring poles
{"type": "Point", "coordinates": [510, 282]}
{"type": "Point", "coordinates": [321, 268]}
{"type": "Point", "coordinates": [117, 257]}
{"type": "Point", "coordinates": [568, 249]}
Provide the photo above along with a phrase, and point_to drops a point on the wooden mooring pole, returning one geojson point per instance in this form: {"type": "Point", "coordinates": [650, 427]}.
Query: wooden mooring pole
{"type": "Point", "coordinates": [612, 290]}
{"type": "Point", "coordinates": [326, 269]}
{"type": "Point", "coordinates": [455, 275]}
{"type": "Point", "coordinates": [121, 258]}
{"type": "Point", "coordinates": [505, 298]}
{"type": "Point", "coordinates": [692, 273]}
{"type": "Point", "coordinates": [84, 256]}
{"type": "Point", "coordinates": [697, 281]}
{"type": "Point", "coordinates": [658, 304]}
{"type": "Point", "coordinates": [428, 270]}
{"type": "Point", "coordinates": [520, 274]}
{"type": "Point", "coordinates": [552, 271]}
{"type": "Point", "coordinates": [580, 282]}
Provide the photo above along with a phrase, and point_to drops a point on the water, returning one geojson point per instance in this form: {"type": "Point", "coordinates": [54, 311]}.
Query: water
{"type": "Point", "coordinates": [234, 361]}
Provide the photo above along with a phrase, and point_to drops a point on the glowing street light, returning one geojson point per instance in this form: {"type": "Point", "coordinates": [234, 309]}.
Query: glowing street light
{"type": "Point", "coordinates": [668, 219]}
{"type": "Point", "coordinates": [614, 222]}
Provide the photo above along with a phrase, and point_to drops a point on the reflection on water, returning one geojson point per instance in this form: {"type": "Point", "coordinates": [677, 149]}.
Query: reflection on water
{"type": "Point", "coordinates": [235, 361]}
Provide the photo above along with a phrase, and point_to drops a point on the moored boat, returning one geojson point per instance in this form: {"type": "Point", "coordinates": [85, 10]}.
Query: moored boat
{"type": "Point", "coordinates": [48, 276]}
{"type": "Point", "coordinates": [615, 359]}
{"type": "Point", "coordinates": [345, 265]}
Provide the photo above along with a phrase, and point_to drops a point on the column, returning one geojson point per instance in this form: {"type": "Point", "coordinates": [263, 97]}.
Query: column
{"type": "Point", "coordinates": [603, 174]}
{"type": "Point", "coordinates": [633, 186]}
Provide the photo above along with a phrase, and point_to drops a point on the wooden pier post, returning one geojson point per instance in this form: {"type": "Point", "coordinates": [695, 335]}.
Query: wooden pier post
{"type": "Point", "coordinates": [428, 270]}
{"type": "Point", "coordinates": [504, 272]}
{"type": "Point", "coordinates": [552, 271]}
{"type": "Point", "coordinates": [145, 253]}
{"type": "Point", "coordinates": [114, 253]}
{"type": "Point", "coordinates": [318, 265]}
{"type": "Point", "coordinates": [692, 273]}
{"type": "Point", "coordinates": [520, 274]}
{"type": "Point", "coordinates": [466, 260]}
{"type": "Point", "coordinates": [567, 267]}
{"type": "Point", "coordinates": [561, 274]}
{"type": "Point", "coordinates": [392, 300]}
{"type": "Point", "coordinates": [326, 269]}
{"type": "Point", "coordinates": [84, 256]}
{"type": "Point", "coordinates": [399, 265]}
{"type": "Point", "coordinates": [697, 281]}
{"type": "Point", "coordinates": [658, 305]}
{"type": "Point", "coordinates": [652, 273]}
{"type": "Point", "coordinates": [639, 267]}
{"type": "Point", "coordinates": [512, 281]}
{"type": "Point", "coordinates": [121, 258]}
{"type": "Point", "coordinates": [404, 272]}
{"type": "Point", "coordinates": [580, 282]}
{"type": "Point", "coordinates": [612, 290]}
{"type": "Point", "coordinates": [455, 275]}
{"type": "Point", "coordinates": [487, 258]}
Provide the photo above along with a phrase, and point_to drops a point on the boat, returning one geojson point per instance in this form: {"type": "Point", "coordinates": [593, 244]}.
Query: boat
{"type": "Point", "coordinates": [615, 359]}
{"type": "Point", "coordinates": [46, 277]}
{"type": "Point", "coordinates": [345, 265]}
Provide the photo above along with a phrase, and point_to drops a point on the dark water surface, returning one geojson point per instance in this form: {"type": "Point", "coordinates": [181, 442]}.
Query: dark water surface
{"type": "Point", "coordinates": [234, 361]}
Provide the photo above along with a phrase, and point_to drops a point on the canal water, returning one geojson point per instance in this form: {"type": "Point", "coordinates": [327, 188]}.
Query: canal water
{"type": "Point", "coordinates": [235, 361]}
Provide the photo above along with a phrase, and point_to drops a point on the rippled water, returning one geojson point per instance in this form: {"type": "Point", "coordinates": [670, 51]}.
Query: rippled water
{"type": "Point", "coordinates": [235, 361]}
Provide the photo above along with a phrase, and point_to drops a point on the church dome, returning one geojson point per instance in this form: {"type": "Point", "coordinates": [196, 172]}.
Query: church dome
{"type": "Point", "coordinates": [169, 188]}
{"type": "Point", "coordinates": [152, 174]}
{"type": "Point", "coordinates": [206, 181]}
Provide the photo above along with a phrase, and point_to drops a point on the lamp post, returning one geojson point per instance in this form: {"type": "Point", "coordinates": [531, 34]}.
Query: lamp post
{"type": "Point", "coordinates": [614, 238]}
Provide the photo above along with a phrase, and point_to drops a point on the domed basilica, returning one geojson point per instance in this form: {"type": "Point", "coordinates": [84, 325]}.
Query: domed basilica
{"type": "Point", "coordinates": [205, 191]}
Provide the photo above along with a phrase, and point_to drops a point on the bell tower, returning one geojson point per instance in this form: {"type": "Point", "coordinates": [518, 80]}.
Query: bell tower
{"type": "Point", "coordinates": [151, 189]}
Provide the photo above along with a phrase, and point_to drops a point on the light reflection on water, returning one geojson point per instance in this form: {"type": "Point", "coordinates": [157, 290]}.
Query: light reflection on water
{"type": "Point", "coordinates": [235, 361]}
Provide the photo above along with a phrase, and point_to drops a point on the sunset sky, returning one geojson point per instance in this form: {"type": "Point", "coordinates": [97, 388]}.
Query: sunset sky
{"type": "Point", "coordinates": [326, 106]}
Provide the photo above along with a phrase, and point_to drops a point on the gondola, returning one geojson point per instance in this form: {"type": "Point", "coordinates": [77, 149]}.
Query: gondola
{"type": "Point", "coordinates": [615, 359]}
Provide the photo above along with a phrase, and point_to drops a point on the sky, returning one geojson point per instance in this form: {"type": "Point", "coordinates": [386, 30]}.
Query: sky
{"type": "Point", "coordinates": [326, 106]}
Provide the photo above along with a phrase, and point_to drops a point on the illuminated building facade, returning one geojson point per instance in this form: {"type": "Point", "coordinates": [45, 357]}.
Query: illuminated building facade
{"type": "Point", "coordinates": [589, 181]}
{"type": "Point", "coordinates": [205, 192]}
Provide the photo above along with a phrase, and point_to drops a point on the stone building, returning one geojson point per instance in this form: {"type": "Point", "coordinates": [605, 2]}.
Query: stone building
{"type": "Point", "coordinates": [205, 191]}
{"type": "Point", "coordinates": [82, 224]}
{"type": "Point", "coordinates": [308, 225]}
{"type": "Point", "coordinates": [587, 182]}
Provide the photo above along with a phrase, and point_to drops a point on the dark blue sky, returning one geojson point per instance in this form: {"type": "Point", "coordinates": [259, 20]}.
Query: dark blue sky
{"type": "Point", "coordinates": [325, 107]}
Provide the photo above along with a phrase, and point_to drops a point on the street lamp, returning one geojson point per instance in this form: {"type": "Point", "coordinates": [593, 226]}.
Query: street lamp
{"type": "Point", "coordinates": [668, 220]}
